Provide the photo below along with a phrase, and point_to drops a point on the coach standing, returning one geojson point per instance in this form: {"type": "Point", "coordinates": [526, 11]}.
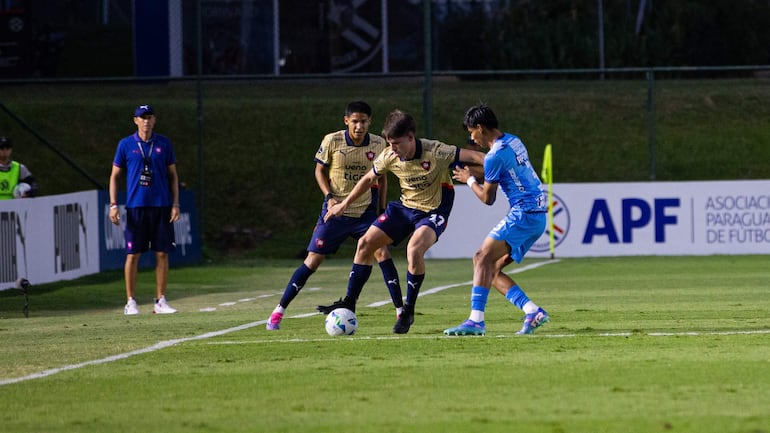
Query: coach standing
{"type": "Point", "coordinates": [152, 203]}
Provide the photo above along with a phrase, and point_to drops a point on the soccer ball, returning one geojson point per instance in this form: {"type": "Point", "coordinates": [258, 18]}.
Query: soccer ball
{"type": "Point", "coordinates": [341, 321]}
{"type": "Point", "coordinates": [21, 189]}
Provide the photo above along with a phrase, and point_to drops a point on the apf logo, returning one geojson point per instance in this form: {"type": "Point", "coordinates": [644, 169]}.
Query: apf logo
{"type": "Point", "coordinates": [560, 227]}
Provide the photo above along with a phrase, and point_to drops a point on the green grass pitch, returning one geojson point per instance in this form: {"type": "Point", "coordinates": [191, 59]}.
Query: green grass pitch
{"type": "Point", "coordinates": [636, 344]}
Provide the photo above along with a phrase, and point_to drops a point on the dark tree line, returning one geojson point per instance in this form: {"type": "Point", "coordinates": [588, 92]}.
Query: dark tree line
{"type": "Point", "coordinates": [558, 34]}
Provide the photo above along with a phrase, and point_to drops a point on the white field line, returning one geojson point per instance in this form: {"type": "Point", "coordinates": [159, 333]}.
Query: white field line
{"type": "Point", "coordinates": [434, 337]}
{"type": "Point", "coordinates": [174, 342]}
{"type": "Point", "coordinates": [169, 343]}
{"type": "Point", "coordinates": [467, 283]}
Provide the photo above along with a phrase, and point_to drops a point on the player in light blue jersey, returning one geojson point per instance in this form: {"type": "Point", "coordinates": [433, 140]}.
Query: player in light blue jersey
{"type": "Point", "coordinates": [506, 166]}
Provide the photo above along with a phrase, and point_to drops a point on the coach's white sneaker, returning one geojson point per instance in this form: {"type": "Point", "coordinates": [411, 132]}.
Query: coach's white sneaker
{"type": "Point", "coordinates": [161, 307]}
{"type": "Point", "coordinates": [131, 308]}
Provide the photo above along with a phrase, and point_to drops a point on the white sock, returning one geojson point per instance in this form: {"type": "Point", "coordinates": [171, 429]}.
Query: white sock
{"type": "Point", "coordinates": [477, 316]}
{"type": "Point", "coordinates": [279, 309]}
{"type": "Point", "coordinates": [399, 310]}
{"type": "Point", "coordinates": [530, 307]}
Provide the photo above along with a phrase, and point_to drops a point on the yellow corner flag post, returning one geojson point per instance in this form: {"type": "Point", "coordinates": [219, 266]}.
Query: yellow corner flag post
{"type": "Point", "coordinates": [547, 175]}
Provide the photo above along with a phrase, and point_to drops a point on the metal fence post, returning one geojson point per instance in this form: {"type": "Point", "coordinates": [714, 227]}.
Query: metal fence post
{"type": "Point", "coordinates": [651, 119]}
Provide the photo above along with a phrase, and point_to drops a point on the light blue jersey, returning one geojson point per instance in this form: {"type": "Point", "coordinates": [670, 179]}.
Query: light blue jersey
{"type": "Point", "coordinates": [507, 164]}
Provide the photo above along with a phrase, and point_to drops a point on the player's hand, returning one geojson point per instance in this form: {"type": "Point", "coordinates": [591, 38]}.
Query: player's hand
{"type": "Point", "coordinates": [461, 174]}
{"type": "Point", "coordinates": [115, 215]}
{"type": "Point", "coordinates": [174, 214]}
{"type": "Point", "coordinates": [334, 211]}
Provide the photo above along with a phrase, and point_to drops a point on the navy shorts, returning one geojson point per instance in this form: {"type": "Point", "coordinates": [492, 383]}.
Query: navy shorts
{"type": "Point", "coordinates": [328, 236]}
{"type": "Point", "coordinates": [399, 221]}
{"type": "Point", "coordinates": [148, 228]}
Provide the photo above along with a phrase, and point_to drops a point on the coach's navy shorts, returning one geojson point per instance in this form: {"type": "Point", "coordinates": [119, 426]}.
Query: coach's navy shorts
{"type": "Point", "coordinates": [148, 228]}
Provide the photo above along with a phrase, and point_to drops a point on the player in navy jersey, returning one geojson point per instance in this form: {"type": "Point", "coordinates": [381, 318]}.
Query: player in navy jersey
{"type": "Point", "coordinates": [152, 204]}
{"type": "Point", "coordinates": [343, 157]}
{"type": "Point", "coordinates": [506, 166]}
{"type": "Point", "coordinates": [427, 194]}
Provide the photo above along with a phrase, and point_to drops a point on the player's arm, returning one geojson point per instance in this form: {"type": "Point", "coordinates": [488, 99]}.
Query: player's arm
{"type": "Point", "coordinates": [322, 179]}
{"type": "Point", "coordinates": [114, 178]}
{"type": "Point", "coordinates": [383, 185]}
{"type": "Point", "coordinates": [484, 191]}
{"type": "Point", "coordinates": [472, 157]}
{"type": "Point", "coordinates": [363, 185]}
{"type": "Point", "coordinates": [173, 183]}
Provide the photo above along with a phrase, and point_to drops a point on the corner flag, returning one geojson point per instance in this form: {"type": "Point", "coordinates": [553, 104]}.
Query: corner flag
{"type": "Point", "coordinates": [547, 175]}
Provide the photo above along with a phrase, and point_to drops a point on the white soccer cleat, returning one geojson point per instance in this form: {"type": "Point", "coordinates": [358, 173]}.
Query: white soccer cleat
{"type": "Point", "coordinates": [161, 307]}
{"type": "Point", "coordinates": [131, 308]}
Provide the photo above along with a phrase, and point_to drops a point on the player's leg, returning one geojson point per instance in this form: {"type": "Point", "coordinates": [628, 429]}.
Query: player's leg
{"type": "Point", "coordinates": [297, 281]}
{"type": "Point", "coordinates": [137, 243]}
{"type": "Point", "coordinates": [390, 275]}
{"type": "Point", "coordinates": [385, 261]}
{"type": "Point", "coordinates": [371, 241]}
{"type": "Point", "coordinates": [507, 287]}
{"type": "Point", "coordinates": [161, 231]}
{"type": "Point", "coordinates": [161, 274]}
{"type": "Point", "coordinates": [161, 282]}
{"type": "Point", "coordinates": [502, 281]}
{"type": "Point", "coordinates": [485, 271]}
{"type": "Point", "coordinates": [130, 269]}
{"type": "Point", "coordinates": [326, 239]}
{"type": "Point", "coordinates": [520, 234]}
{"type": "Point", "coordinates": [422, 239]}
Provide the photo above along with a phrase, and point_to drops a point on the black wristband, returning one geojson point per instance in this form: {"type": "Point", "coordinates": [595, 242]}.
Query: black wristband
{"type": "Point", "coordinates": [329, 196]}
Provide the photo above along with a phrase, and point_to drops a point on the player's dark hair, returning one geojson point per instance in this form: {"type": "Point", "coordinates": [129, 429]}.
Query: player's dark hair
{"type": "Point", "coordinates": [398, 124]}
{"type": "Point", "coordinates": [358, 107]}
{"type": "Point", "coordinates": [480, 115]}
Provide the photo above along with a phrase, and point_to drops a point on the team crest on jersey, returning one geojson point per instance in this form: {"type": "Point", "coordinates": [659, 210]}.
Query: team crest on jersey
{"type": "Point", "coordinates": [370, 155]}
{"type": "Point", "coordinates": [425, 165]}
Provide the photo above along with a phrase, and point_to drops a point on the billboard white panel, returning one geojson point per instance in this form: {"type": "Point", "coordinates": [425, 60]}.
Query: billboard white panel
{"type": "Point", "coordinates": [49, 238]}
{"type": "Point", "coordinates": [623, 219]}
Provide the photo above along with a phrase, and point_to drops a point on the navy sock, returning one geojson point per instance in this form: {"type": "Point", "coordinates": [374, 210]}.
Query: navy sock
{"type": "Point", "coordinates": [413, 284]}
{"type": "Point", "coordinates": [296, 283]}
{"type": "Point", "coordinates": [390, 274]}
{"type": "Point", "coordinates": [359, 275]}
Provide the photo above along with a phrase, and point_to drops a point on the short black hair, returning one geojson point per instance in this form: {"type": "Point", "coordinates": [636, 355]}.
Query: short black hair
{"type": "Point", "coordinates": [480, 115]}
{"type": "Point", "coordinates": [358, 107]}
{"type": "Point", "coordinates": [5, 142]}
{"type": "Point", "coordinates": [398, 124]}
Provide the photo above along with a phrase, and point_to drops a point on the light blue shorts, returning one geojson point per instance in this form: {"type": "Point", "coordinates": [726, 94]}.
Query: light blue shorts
{"type": "Point", "coordinates": [520, 230]}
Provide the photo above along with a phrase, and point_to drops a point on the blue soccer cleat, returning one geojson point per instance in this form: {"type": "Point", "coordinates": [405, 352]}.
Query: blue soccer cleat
{"type": "Point", "coordinates": [469, 327]}
{"type": "Point", "coordinates": [534, 321]}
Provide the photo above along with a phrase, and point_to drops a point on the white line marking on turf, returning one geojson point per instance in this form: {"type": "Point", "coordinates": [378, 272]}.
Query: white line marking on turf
{"type": "Point", "coordinates": [441, 336]}
{"type": "Point", "coordinates": [170, 343]}
{"type": "Point", "coordinates": [440, 288]}
{"type": "Point", "coordinates": [120, 356]}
